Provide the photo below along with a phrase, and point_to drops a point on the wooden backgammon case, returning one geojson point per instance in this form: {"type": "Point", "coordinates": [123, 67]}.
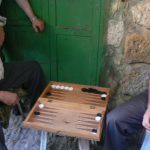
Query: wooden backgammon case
{"type": "Point", "coordinates": [70, 109]}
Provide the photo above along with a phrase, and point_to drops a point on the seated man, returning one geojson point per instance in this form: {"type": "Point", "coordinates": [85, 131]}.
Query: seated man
{"type": "Point", "coordinates": [27, 75]}
{"type": "Point", "coordinates": [125, 120]}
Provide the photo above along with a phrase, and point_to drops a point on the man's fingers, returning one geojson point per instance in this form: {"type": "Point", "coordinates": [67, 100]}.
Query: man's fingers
{"type": "Point", "coordinates": [146, 123]}
{"type": "Point", "coordinates": [35, 29]}
{"type": "Point", "coordinates": [16, 100]}
{"type": "Point", "coordinates": [14, 103]}
{"type": "Point", "coordinates": [38, 25]}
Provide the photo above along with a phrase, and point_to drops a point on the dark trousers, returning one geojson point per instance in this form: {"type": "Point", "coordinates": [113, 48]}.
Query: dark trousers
{"type": "Point", "coordinates": [27, 75]}
{"type": "Point", "coordinates": [124, 121]}
{"type": "Point", "coordinates": [2, 140]}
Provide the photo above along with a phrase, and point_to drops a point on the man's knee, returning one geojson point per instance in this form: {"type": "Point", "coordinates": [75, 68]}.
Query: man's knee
{"type": "Point", "coordinates": [113, 118]}
{"type": "Point", "coordinates": [35, 66]}
{"type": "Point", "coordinates": [35, 69]}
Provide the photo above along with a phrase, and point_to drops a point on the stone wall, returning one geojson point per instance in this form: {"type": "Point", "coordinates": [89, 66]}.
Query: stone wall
{"type": "Point", "coordinates": [128, 49]}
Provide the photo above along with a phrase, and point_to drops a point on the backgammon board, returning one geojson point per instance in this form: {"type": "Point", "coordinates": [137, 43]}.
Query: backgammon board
{"type": "Point", "coordinates": [70, 109]}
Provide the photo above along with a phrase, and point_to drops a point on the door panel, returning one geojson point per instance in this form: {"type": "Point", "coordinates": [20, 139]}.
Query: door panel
{"type": "Point", "coordinates": [73, 67]}
{"type": "Point", "coordinates": [74, 14]}
{"type": "Point", "coordinates": [21, 46]}
{"type": "Point", "coordinates": [71, 47]}
{"type": "Point", "coordinates": [75, 40]}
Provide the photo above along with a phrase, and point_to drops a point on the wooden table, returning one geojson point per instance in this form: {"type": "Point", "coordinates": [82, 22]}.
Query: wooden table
{"type": "Point", "coordinates": [70, 109]}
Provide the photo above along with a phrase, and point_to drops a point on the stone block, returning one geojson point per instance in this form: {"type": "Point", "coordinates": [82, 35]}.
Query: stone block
{"type": "Point", "coordinates": [141, 13]}
{"type": "Point", "coordinates": [115, 32]}
{"type": "Point", "coordinates": [146, 34]}
{"type": "Point", "coordinates": [137, 49]}
{"type": "Point", "coordinates": [135, 79]}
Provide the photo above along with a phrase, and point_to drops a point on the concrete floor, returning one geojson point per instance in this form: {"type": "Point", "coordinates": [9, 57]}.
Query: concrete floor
{"type": "Point", "coordinates": [20, 138]}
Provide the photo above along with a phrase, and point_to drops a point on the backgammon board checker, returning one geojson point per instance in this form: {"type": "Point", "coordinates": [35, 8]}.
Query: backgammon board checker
{"type": "Point", "coordinates": [70, 109]}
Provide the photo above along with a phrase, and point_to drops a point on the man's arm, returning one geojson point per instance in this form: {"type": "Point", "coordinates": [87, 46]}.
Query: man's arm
{"type": "Point", "coordinates": [37, 23]}
{"type": "Point", "coordinates": [9, 98]}
{"type": "Point", "coordinates": [146, 117]}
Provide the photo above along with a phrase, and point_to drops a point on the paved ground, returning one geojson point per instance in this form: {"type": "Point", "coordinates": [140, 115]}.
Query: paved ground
{"type": "Point", "coordinates": [19, 138]}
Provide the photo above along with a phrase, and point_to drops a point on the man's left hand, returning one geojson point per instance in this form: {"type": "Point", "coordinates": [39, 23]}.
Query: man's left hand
{"type": "Point", "coordinates": [146, 120]}
{"type": "Point", "coordinates": [37, 24]}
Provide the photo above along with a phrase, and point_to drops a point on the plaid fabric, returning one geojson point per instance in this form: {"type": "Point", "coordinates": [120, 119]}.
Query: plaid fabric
{"type": "Point", "coordinates": [5, 110]}
{"type": "Point", "coordinates": [4, 115]}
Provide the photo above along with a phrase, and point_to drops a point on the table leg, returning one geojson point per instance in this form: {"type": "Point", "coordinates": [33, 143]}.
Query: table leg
{"type": "Point", "coordinates": [43, 140]}
{"type": "Point", "coordinates": [83, 144]}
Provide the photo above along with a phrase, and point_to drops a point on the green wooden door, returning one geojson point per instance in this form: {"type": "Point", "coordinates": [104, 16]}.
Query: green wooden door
{"type": "Point", "coordinates": [70, 49]}
{"type": "Point", "coordinates": [75, 26]}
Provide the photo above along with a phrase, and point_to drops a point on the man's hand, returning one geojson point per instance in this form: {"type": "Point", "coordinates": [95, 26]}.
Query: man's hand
{"type": "Point", "coordinates": [37, 24]}
{"type": "Point", "coordinates": [146, 120]}
{"type": "Point", "coordinates": [146, 117]}
{"type": "Point", "coordinates": [2, 36]}
{"type": "Point", "coordinates": [9, 98]}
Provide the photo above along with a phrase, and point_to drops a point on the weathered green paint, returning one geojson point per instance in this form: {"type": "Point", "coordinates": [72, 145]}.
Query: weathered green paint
{"type": "Point", "coordinates": [70, 49]}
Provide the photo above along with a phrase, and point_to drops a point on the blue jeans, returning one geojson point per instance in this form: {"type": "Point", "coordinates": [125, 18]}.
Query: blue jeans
{"type": "Point", "coordinates": [146, 142]}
